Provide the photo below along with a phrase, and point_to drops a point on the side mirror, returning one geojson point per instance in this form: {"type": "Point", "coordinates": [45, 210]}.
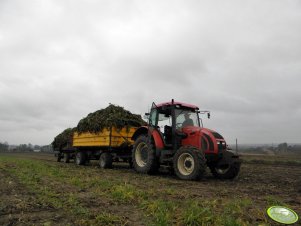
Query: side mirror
{"type": "Point", "coordinates": [208, 115]}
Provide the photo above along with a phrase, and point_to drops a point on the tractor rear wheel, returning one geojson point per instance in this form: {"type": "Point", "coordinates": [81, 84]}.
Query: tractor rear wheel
{"type": "Point", "coordinates": [144, 156]}
{"type": "Point", "coordinates": [226, 168]}
{"type": "Point", "coordinates": [189, 163]}
{"type": "Point", "coordinates": [105, 160]}
{"type": "Point", "coordinates": [80, 158]}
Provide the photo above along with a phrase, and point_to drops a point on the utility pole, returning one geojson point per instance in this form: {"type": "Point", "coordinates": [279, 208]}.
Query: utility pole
{"type": "Point", "coordinates": [236, 147]}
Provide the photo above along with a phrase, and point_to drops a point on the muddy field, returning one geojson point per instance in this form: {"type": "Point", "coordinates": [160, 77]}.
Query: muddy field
{"type": "Point", "coordinates": [37, 190]}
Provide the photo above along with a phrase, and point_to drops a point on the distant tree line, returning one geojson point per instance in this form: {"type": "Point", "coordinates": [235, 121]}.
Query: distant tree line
{"type": "Point", "coordinates": [282, 148]}
{"type": "Point", "coordinates": [5, 147]}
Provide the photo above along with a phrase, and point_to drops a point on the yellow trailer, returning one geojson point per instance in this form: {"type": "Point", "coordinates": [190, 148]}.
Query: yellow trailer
{"type": "Point", "coordinates": [111, 144]}
{"type": "Point", "coordinates": [108, 138]}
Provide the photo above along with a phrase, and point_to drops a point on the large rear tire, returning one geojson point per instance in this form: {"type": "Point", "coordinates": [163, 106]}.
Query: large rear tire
{"type": "Point", "coordinates": [226, 168]}
{"type": "Point", "coordinates": [189, 163]}
{"type": "Point", "coordinates": [80, 158]}
{"type": "Point", "coordinates": [144, 156]}
{"type": "Point", "coordinates": [105, 160]}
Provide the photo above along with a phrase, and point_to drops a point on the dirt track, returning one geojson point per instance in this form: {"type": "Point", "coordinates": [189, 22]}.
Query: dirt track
{"type": "Point", "coordinates": [263, 183]}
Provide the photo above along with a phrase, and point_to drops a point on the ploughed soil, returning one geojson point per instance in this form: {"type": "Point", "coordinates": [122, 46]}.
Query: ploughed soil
{"type": "Point", "coordinates": [264, 180]}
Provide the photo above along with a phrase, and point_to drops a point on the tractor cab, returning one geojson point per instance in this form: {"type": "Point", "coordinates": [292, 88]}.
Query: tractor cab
{"type": "Point", "coordinates": [174, 121]}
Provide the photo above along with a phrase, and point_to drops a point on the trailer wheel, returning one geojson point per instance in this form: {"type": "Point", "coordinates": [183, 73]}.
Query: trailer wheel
{"type": "Point", "coordinates": [59, 156]}
{"type": "Point", "coordinates": [67, 157]}
{"type": "Point", "coordinates": [130, 161]}
{"type": "Point", "coordinates": [144, 157]}
{"type": "Point", "coordinates": [189, 163]}
{"type": "Point", "coordinates": [105, 160]}
{"type": "Point", "coordinates": [80, 158]}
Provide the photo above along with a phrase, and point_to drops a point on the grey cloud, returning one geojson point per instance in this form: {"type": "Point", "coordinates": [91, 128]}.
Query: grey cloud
{"type": "Point", "coordinates": [60, 60]}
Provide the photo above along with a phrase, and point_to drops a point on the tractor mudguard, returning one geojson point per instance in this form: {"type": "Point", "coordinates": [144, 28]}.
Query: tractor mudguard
{"type": "Point", "coordinates": [157, 139]}
{"type": "Point", "coordinates": [144, 130]}
{"type": "Point", "coordinates": [140, 131]}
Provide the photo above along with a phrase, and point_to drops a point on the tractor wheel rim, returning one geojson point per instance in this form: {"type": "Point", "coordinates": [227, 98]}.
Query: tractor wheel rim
{"type": "Point", "coordinates": [186, 164]}
{"type": "Point", "coordinates": [140, 152]}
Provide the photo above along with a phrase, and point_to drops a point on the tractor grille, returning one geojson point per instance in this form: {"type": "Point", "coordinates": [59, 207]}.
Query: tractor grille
{"type": "Point", "coordinates": [221, 145]}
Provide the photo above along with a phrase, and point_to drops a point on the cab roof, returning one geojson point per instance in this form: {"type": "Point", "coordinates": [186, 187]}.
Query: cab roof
{"type": "Point", "coordinates": [178, 103]}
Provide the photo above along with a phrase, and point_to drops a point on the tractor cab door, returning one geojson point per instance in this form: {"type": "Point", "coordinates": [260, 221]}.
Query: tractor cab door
{"type": "Point", "coordinates": [153, 116]}
{"type": "Point", "coordinates": [161, 120]}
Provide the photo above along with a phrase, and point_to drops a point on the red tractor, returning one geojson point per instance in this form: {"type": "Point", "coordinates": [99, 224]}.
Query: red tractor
{"type": "Point", "coordinates": [175, 138]}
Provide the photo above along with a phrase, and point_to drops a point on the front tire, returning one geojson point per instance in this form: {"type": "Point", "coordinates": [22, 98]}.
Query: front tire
{"type": "Point", "coordinates": [227, 171]}
{"type": "Point", "coordinates": [144, 156]}
{"type": "Point", "coordinates": [226, 168]}
{"type": "Point", "coordinates": [189, 163]}
{"type": "Point", "coordinates": [105, 160]}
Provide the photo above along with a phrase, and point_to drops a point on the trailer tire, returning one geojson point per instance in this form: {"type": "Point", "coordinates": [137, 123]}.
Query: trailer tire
{"type": "Point", "coordinates": [59, 157]}
{"type": "Point", "coordinates": [105, 160]}
{"type": "Point", "coordinates": [144, 158]}
{"type": "Point", "coordinates": [80, 158]}
{"type": "Point", "coordinates": [67, 157]}
{"type": "Point", "coordinates": [189, 163]}
{"type": "Point", "coordinates": [130, 161]}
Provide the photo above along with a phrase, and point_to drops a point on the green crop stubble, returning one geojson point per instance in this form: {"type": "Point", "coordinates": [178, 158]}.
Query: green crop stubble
{"type": "Point", "coordinates": [159, 204]}
{"type": "Point", "coordinates": [160, 211]}
{"type": "Point", "coordinates": [32, 175]}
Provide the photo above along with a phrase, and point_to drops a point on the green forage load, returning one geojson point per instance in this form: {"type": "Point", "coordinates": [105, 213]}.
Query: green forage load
{"type": "Point", "coordinates": [64, 139]}
{"type": "Point", "coordinates": [112, 116]}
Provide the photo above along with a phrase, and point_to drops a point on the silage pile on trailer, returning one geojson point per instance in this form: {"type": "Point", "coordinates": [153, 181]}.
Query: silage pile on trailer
{"type": "Point", "coordinates": [111, 116]}
{"type": "Point", "coordinates": [64, 139]}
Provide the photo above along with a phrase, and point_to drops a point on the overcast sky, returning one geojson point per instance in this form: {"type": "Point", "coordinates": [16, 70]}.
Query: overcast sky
{"type": "Point", "coordinates": [62, 59]}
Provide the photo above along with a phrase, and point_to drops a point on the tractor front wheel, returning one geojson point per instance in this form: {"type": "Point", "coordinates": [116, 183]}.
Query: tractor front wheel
{"type": "Point", "coordinates": [189, 163]}
{"type": "Point", "coordinates": [226, 168]}
{"type": "Point", "coordinates": [144, 156]}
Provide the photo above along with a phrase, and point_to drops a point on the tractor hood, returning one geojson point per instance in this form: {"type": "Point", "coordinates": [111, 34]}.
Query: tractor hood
{"type": "Point", "coordinates": [190, 130]}
{"type": "Point", "coordinates": [210, 140]}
